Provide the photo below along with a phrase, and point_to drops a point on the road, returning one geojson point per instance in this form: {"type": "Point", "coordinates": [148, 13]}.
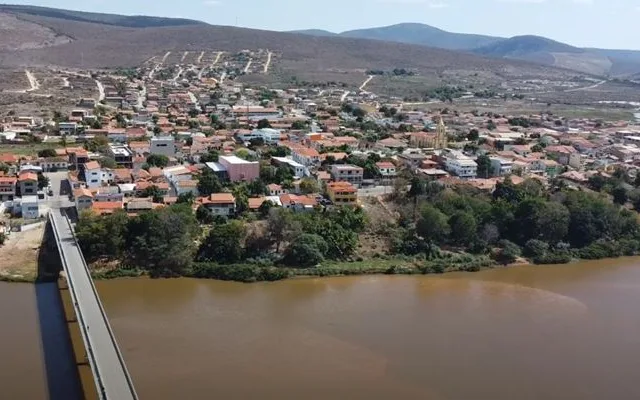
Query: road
{"type": "Point", "coordinates": [200, 57]}
{"type": "Point", "coordinates": [177, 76]}
{"type": "Point", "coordinates": [65, 82]}
{"type": "Point", "coordinates": [186, 53]}
{"type": "Point", "coordinates": [587, 87]}
{"type": "Point", "coordinates": [374, 191]}
{"type": "Point", "coordinates": [246, 69]}
{"type": "Point", "coordinates": [33, 82]}
{"type": "Point", "coordinates": [141, 96]}
{"type": "Point", "coordinates": [344, 96]}
{"type": "Point", "coordinates": [268, 63]}
{"type": "Point", "coordinates": [164, 58]}
{"type": "Point", "coordinates": [92, 319]}
{"type": "Point", "coordinates": [217, 58]}
{"type": "Point", "coordinates": [101, 94]}
{"type": "Point", "coordinates": [366, 82]}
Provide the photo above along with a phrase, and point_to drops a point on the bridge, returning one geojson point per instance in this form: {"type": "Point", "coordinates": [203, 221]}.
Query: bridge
{"type": "Point", "coordinates": [110, 374]}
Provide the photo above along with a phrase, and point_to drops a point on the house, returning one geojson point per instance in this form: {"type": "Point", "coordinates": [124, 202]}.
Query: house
{"type": "Point", "coordinates": [347, 173]}
{"type": "Point", "coordinates": [30, 207]}
{"type": "Point", "coordinates": [276, 190]}
{"type": "Point", "coordinates": [122, 155]}
{"type": "Point", "coordinates": [500, 166]}
{"type": "Point", "coordinates": [298, 170]}
{"type": "Point", "coordinates": [306, 156]}
{"type": "Point", "coordinates": [296, 203]}
{"type": "Point", "coordinates": [164, 145]}
{"type": "Point", "coordinates": [388, 171]}
{"type": "Point", "coordinates": [459, 164]}
{"type": "Point", "coordinates": [342, 193]}
{"type": "Point", "coordinates": [83, 199]}
{"type": "Point", "coordinates": [547, 167]}
{"type": "Point", "coordinates": [7, 187]}
{"type": "Point", "coordinates": [268, 135]}
{"type": "Point", "coordinates": [28, 183]}
{"type": "Point", "coordinates": [67, 128]}
{"type": "Point", "coordinates": [223, 204]}
{"type": "Point", "coordinates": [240, 170]}
{"type": "Point", "coordinates": [135, 206]}
{"type": "Point", "coordinates": [105, 207]}
{"type": "Point", "coordinates": [93, 174]}
{"type": "Point", "coordinates": [412, 160]}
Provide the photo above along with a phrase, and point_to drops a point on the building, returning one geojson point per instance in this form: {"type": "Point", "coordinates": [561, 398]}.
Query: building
{"type": "Point", "coordinates": [30, 207]}
{"type": "Point", "coordinates": [347, 173]}
{"type": "Point", "coordinates": [298, 170]}
{"type": "Point", "coordinates": [7, 187]}
{"type": "Point", "coordinates": [83, 199]}
{"type": "Point", "coordinates": [342, 193]}
{"type": "Point", "coordinates": [500, 166]}
{"type": "Point", "coordinates": [412, 161]}
{"type": "Point", "coordinates": [388, 171]}
{"type": "Point", "coordinates": [67, 128]}
{"type": "Point", "coordinates": [276, 190]}
{"type": "Point", "coordinates": [423, 140]}
{"type": "Point", "coordinates": [223, 204]}
{"type": "Point", "coordinates": [306, 156]}
{"type": "Point", "coordinates": [28, 183]}
{"type": "Point", "coordinates": [240, 170]}
{"type": "Point", "coordinates": [122, 155]}
{"type": "Point", "coordinates": [459, 164]}
{"type": "Point", "coordinates": [164, 145]}
{"type": "Point", "coordinates": [268, 135]}
{"type": "Point", "coordinates": [442, 140]}
{"type": "Point", "coordinates": [93, 174]}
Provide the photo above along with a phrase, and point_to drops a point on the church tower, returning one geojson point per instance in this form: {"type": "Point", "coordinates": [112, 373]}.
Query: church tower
{"type": "Point", "coordinates": [442, 141]}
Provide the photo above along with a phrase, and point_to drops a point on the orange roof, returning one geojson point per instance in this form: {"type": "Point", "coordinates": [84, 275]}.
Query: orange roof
{"type": "Point", "coordinates": [28, 176]}
{"type": "Point", "coordinates": [92, 165]}
{"type": "Point", "coordinates": [8, 158]}
{"type": "Point", "coordinates": [106, 207]}
{"type": "Point", "coordinates": [307, 151]}
{"type": "Point", "coordinates": [385, 164]}
{"type": "Point", "coordinates": [8, 179]}
{"type": "Point", "coordinates": [256, 202]}
{"type": "Point", "coordinates": [82, 192]}
{"type": "Point", "coordinates": [220, 198]}
{"type": "Point", "coordinates": [341, 186]}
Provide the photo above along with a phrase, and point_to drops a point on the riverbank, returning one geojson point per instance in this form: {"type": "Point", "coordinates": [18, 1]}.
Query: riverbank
{"type": "Point", "coordinates": [19, 256]}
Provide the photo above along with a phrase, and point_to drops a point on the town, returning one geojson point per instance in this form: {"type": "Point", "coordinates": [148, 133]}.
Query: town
{"type": "Point", "coordinates": [183, 128]}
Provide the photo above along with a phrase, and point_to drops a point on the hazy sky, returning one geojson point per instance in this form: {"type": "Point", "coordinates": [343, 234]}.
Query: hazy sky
{"type": "Point", "coordinates": [586, 23]}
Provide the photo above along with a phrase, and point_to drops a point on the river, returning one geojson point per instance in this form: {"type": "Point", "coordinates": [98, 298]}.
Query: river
{"type": "Point", "coordinates": [554, 332]}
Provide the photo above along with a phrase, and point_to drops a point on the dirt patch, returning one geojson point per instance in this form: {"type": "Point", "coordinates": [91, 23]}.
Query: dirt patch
{"type": "Point", "coordinates": [22, 35]}
{"type": "Point", "coordinates": [19, 255]}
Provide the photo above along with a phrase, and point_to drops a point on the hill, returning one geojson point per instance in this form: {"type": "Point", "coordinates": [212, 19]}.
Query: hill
{"type": "Point", "coordinates": [135, 21]}
{"type": "Point", "coordinates": [424, 35]}
{"type": "Point", "coordinates": [315, 32]}
{"type": "Point", "coordinates": [518, 46]}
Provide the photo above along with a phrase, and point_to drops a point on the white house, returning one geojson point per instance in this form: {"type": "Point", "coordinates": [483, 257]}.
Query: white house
{"type": "Point", "coordinates": [164, 145]}
{"type": "Point", "coordinates": [500, 166]}
{"type": "Point", "coordinates": [93, 174]}
{"type": "Point", "coordinates": [30, 207]}
{"type": "Point", "coordinates": [459, 164]}
{"type": "Point", "coordinates": [83, 199]}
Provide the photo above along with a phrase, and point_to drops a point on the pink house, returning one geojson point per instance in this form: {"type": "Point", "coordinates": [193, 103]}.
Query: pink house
{"type": "Point", "coordinates": [239, 169]}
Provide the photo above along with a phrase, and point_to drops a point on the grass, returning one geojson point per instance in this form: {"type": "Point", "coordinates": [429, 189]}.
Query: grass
{"type": "Point", "coordinates": [27, 149]}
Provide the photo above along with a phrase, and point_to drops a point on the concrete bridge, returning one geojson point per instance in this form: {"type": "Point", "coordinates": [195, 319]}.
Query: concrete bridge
{"type": "Point", "coordinates": [110, 374]}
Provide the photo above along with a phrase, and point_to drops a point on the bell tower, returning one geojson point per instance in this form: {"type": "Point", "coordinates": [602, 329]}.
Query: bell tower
{"type": "Point", "coordinates": [442, 141]}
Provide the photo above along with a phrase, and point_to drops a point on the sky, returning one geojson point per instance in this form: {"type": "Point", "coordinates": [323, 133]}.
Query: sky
{"type": "Point", "coordinates": [583, 23]}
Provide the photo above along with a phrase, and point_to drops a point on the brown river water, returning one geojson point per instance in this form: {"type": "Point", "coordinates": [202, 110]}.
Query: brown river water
{"type": "Point", "coordinates": [555, 332]}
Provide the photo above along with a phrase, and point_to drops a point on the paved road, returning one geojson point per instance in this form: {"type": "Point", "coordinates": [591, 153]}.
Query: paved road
{"type": "Point", "coordinates": [110, 368]}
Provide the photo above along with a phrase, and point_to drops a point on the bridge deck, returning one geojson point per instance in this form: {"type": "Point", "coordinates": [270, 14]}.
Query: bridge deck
{"type": "Point", "coordinates": [110, 372]}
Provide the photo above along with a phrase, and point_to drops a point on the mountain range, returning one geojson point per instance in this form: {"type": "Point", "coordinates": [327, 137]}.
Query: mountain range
{"type": "Point", "coordinates": [528, 47]}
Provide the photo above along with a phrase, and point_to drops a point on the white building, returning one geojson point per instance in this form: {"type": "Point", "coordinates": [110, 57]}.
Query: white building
{"type": "Point", "coordinates": [164, 145]}
{"type": "Point", "coordinates": [30, 207]}
{"type": "Point", "coordinates": [93, 174]}
{"type": "Point", "coordinates": [500, 166]}
{"type": "Point", "coordinates": [268, 135]}
{"type": "Point", "coordinates": [299, 170]}
{"type": "Point", "coordinates": [459, 164]}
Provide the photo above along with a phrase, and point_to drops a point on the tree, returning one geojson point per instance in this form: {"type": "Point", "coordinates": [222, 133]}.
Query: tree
{"type": "Point", "coordinates": [620, 195]}
{"type": "Point", "coordinates": [463, 228]}
{"type": "Point", "coordinates": [43, 181]}
{"type": "Point", "coordinates": [224, 243]}
{"type": "Point", "coordinates": [3, 238]}
{"type": "Point", "coordinates": [305, 251]}
{"type": "Point", "coordinates": [298, 125]}
{"type": "Point", "coordinates": [154, 193]}
{"type": "Point", "coordinates": [265, 208]}
{"type": "Point", "coordinates": [204, 215]}
{"type": "Point", "coordinates": [107, 162]}
{"type": "Point", "coordinates": [281, 226]}
{"type": "Point", "coordinates": [508, 253]}
{"type": "Point", "coordinates": [597, 182]}
{"type": "Point", "coordinates": [97, 144]}
{"type": "Point", "coordinates": [47, 153]}
{"type": "Point", "coordinates": [4, 168]}
{"type": "Point", "coordinates": [211, 156]}
{"type": "Point", "coordinates": [473, 135]}
{"type": "Point", "coordinates": [208, 183]}
{"type": "Point", "coordinates": [264, 123]}
{"type": "Point", "coordinates": [186, 198]}
{"type": "Point", "coordinates": [432, 225]}
{"type": "Point", "coordinates": [309, 185]}
{"type": "Point", "coordinates": [484, 166]}
{"type": "Point", "coordinates": [158, 160]}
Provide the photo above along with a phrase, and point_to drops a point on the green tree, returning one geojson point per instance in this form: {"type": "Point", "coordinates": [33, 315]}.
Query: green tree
{"type": "Point", "coordinates": [208, 183]}
{"type": "Point", "coordinates": [186, 198]}
{"type": "Point", "coordinates": [432, 225]}
{"type": "Point", "coordinates": [281, 226]}
{"type": "Point", "coordinates": [620, 195]}
{"type": "Point", "coordinates": [47, 153]}
{"type": "Point", "coordinates": [43, 181]}
{"type": "Point", "coordinates": [264, 123]}
{"type": "Point", "coordinates": [305, 251]}
{"type": "Point", "coordinates": [473, 135]}
{"type": "Point", "coordinates": [309, 185]}
{"type": "Point", "coordinates": [107, 162]}
{"type": "Point", "coordinates": [463, 228]}
{"type": "Point", "coordinates": [484, 166]}
{"type": "Point", "coordinates": [158, 160]}
{"type": "Point", "coordinates": [98, 144]}
{"type": "Point", "coordinates": [211, 156]}
{"type": "Point", "coordinates": [508, 252]}
{"type": "Point", "coordinates": [265, 208]}
{"type": "Point", "coordinates": [224, 243]}
{"type": "Point", "coordinates": [204, 215]}
{"type": "Point", "coordinates": [154, 193]}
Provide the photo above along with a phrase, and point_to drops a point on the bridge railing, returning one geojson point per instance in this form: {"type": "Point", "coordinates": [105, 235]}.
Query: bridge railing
{"type": "Point", "coordinates": [85, 335]}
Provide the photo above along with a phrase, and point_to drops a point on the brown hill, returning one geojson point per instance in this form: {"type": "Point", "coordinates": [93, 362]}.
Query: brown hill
{"type": "Point", "coordinates": [101, 45]}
